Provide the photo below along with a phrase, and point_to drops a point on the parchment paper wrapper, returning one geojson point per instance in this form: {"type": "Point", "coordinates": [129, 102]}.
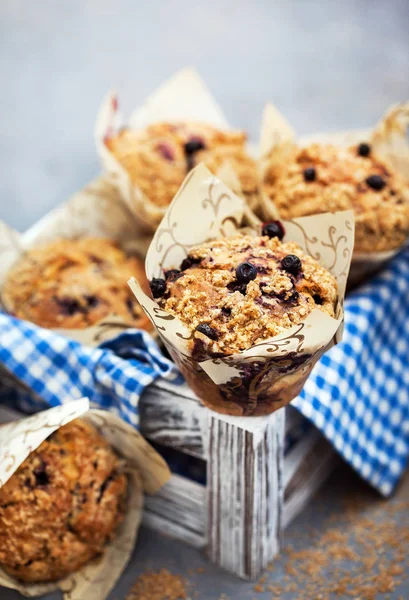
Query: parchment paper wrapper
{"type": "Point", "coordinates": [388, 138]}
{"type": "Point", "coordinates": [95, 211]}
{"type": "Point", "coordinates": [146, 471]}
{"type": "Point", "coordinates": [268, 375]}
{"type": "Point", "coordinates": [184, 97]}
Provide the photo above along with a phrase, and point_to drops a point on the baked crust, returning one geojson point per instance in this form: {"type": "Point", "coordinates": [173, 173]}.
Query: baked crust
{"type": "Point", "coordinates": [156, 160]}
{"type": "Point", "coordinates": [340, 183]}
{"type": "Point", "coordinates": [61, 506]}
{"type": "Point", "coordinates": [75, 284]}
{"type": "Point", "coordinates": [207, 292]}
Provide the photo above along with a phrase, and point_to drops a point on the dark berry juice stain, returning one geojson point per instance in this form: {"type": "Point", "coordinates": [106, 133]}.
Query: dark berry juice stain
{"type": "Point", "coordinates": [104, 485]}
{"type": "Point", "coordinates": [41, 476]}
{"type": "Point", "coordinates": [254, 378]}
{"type": "Point", "coordinates": [189, 262]}
{"type": "Point", "coordinates": [92, 301]}
{"type": "Point", "coordinates": [172, 275]}
{"type": "Point", "coordinates": [235, 286]}
{"type": "Point", "coordinates": [131, 306]}
{"type": "Point", "coordinates": [69, 306]}
{"type": "Point", "coordinates": [208, 331]}
{"type": "Point", "coordinates": [166, 151]}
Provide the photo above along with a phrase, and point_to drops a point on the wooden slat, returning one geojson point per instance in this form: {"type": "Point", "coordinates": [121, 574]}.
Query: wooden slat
{"type": "Point", "coordinates": [163, 512]}
{"type": "Point", "coordinates": [244, 491]}
{"type": "Point", "coordinates": [171, 415]}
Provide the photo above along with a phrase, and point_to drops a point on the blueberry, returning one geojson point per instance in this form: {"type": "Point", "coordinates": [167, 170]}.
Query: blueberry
{"type": "Point", "coordinates": [291, 263]}
{"type": "Point", "coordinates": [309, 174]}
{"type": "Point", "coordinates": [364, 149]}
{"type": "Point", "coordinates": [158, 287]}
{"type": "Point", "coordinates": [273, 229]}
{"type": "Point", "coordinates": [318, 299]}
{"type": "Point", "coordinates": [194, 145]}
{"type": "Point", "coordinates": [173, 274]}
{"type": "Point", "coordinates": [376, 182]}
{"type": "Point", "coordinates": [246, 272]}
{"type": "Point", "coordinates": [207, 331]}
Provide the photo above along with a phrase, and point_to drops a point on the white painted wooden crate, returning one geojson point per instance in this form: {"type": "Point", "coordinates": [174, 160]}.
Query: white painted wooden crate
{"type": "Point", "coordinates": [260, 472]}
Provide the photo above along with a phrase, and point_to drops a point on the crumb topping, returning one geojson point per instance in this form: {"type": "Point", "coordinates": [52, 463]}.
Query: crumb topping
{"type": "Point", "coordinates": [159, 157]}
{"type": "Point", "coordinates": [233, 293]}
{"type": "Point", "coordinates": [75, 284]}
{"type": "Point", "coordinates": [325, 178]}
{"type": "Point", "coordinates": [61, 506]}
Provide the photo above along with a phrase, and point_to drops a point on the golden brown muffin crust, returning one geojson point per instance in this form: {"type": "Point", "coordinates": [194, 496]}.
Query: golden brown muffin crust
{"type": "Point", "coordinates": [157, 161]}
{"type": "Point", "coordinates": [61, 506]}
{"type": "Point", "coordinates": [342, 181]}
{"type": "Point", "coordinates": [75, 284]}
{"type": "Point", "coordinates": [208, 292]}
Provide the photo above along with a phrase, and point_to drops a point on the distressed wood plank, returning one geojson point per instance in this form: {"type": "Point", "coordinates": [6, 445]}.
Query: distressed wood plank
{"type": "Point", "coordinates": [170, 415]}
{"type": "Point", "coordinates": [244, 491]}
{"type": "Point", "coordinates": [182, 501]}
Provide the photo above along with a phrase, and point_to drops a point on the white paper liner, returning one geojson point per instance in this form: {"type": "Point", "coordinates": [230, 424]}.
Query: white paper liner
{"type": "Point", "coordinates": [146, 471]}
{"type": "Point", "coordinates": [388, 138]}
{"type": "Point", "coordinates": [184, 97]}
{"type": "Point", "coordinates": [204, 209]}
{"type": "Point", "coordinates": [95, 211]}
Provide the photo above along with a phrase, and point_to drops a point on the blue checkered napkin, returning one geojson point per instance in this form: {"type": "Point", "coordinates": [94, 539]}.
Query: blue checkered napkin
{"type": "Point", "coordinates": [358, 394]}
{"type": "Point", "coordinates": [55, 370]}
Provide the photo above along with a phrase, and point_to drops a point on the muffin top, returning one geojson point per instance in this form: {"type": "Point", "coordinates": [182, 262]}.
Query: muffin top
{"type": "Point", "coordinates": [326, 178]}
{"type": "Point", "coordinates": [235, 292]}
{"type": "Point", "coordinates": [75, 284]}
{"type": "Point", "coordinates": [159, 157]}
{"type": "Point", "coordinates": [61, 506]}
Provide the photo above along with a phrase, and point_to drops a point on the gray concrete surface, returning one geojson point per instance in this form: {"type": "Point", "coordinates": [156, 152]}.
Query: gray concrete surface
{"type": "Point", "coordinates": [327, 65]}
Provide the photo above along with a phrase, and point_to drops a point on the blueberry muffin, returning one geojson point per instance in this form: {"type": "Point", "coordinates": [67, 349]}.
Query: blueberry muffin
{"type": "Point", "coordinates": [74, 284]}
{"type": "Point", "coordinates": [158, 158]}
{"type": "Point", "coordinates": [325, 178]}
{"type": "Point", "coordinates": [61, 506]}
{"type": "Point", "coordinates": [235, 292]}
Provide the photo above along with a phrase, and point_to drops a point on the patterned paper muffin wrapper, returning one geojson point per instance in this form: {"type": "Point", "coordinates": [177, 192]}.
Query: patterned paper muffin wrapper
{"type": "Point", "coordinates": [184, 97]}
{"type": "Point", "coordinates": [269, 374]}
{"type": "Point", "coordinates": [145, 469]}
{"type": "Point", "coordinates": [388, 138]}
{"type": "Point", "coordinates": [95, 211]}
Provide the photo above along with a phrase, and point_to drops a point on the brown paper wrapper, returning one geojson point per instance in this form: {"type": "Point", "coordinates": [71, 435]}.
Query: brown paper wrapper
{"type": "Point", "coordinates": [146, 471]}
{"type": "Point", "coordinates": [389, 140]}
{"type": "Point", "coordinates": [94, 211]}
{"type": "Point", "coordinates": [184, 97]}
{"type": "Point", "coordinates": [270, 374]}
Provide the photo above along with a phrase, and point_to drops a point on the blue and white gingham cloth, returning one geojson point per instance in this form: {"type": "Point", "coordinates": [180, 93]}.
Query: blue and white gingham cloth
{"type": "Point", "coordinates": [357, 395]}
{"type": "Point", "coordinates": [55, 370]}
